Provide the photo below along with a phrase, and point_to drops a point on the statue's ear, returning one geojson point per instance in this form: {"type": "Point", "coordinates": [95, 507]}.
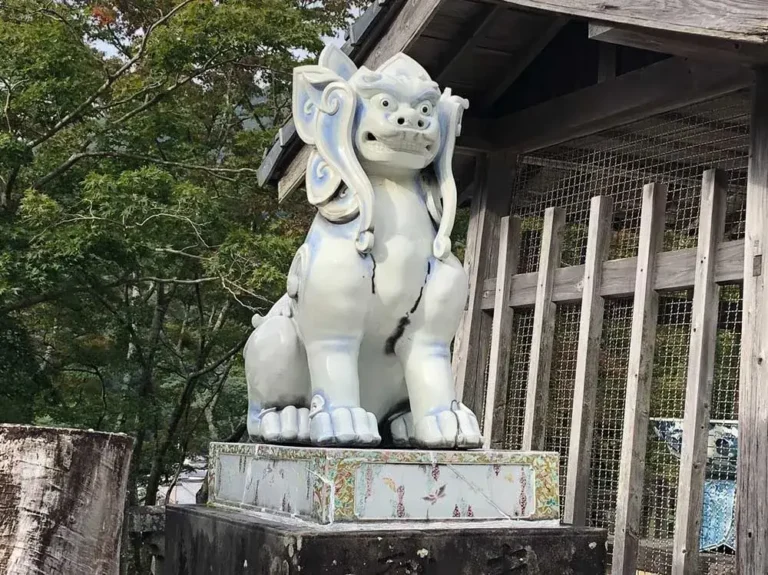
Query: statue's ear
{"type": "Point", "coordinates": [449, 111]}
{"type": "Point", "coordinates": [324, 111]}
{"type": "Point", "coordinates": [309, 83]}
{"type": "Point", "coordinates": [337, 61]}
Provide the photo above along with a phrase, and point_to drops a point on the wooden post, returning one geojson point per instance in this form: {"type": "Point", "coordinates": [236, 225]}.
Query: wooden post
{"type": "Point", "coordinates": [510, 234]}
{"type": "Point", "coordinates": [587, 360]}
{"type": "Point", "coordinates": [638, 397]}
{"type": "Point", "coordinates": [752, 498]}
{"type": "Point", "coordinates": [537, 394]}
{"type": "Point", "coordinates": [489, 205]}
{"type": "Point", "coordinates": [701, 368]}
{"type": "Point", "coordinates": [62, 495]}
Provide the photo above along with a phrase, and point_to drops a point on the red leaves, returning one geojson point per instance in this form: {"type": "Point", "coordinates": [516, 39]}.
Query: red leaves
{"type": "Point", "coordinates": [104, 15]}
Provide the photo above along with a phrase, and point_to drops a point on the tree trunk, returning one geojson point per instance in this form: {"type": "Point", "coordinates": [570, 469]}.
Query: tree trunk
{"type": "Point", "coordinates": [62, 495]}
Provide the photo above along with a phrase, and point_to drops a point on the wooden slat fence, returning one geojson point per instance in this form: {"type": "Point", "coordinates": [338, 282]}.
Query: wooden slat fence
{"type": "Point", "coordinates": [702, 269]}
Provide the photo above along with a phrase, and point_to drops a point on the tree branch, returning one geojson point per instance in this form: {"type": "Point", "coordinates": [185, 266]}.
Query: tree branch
{"type": "Point", "coordinates": [206, 370]}
{"type": "Point", "coordinates": [54, 295]}
{"type": "Point", "coordinates": [111, 79]}
{"type": "Point", "coordinates": [74, 158]}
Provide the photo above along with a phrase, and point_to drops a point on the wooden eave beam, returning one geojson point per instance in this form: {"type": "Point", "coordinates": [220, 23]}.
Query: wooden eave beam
{"type": "Point", "coordinates": [685, 45]}
{"type": "Point", "coordinates": [413, 17]}
{"type": "Point", "coordinates": [524, 60]}
{"type": "Point", "coordinates": [486, 19]}
{"type": "Point", "coordinates": [733, 20]}
{"type": "Point", "coordinates": [654, 89]}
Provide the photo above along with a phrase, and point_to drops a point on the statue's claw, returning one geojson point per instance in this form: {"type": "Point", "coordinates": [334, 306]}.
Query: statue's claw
{"type": "Point", "coordinates": [456, 427]}
{"type": "Point", "coordinates": [344, 426]}
{"type": "Point", "coordinates": [287, 425]}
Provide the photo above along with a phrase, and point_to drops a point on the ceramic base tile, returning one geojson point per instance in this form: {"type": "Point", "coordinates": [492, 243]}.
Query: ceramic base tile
{"type": "Point", "coordinates": [348, 485]}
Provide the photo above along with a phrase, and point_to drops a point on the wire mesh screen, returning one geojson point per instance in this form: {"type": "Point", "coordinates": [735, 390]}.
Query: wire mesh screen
{"type": "Point", "coordinates": [520, 354]}
{"type": "Point", "coordinates": [562, 374]}
{"type": "Point", "coordinates": [673, 148]}
{"type": "Point", "coordinates": [609, 414]}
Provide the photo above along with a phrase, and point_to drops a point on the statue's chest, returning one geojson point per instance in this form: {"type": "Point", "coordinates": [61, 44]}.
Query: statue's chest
{"type": "Point", "coordinates": [403, 248]}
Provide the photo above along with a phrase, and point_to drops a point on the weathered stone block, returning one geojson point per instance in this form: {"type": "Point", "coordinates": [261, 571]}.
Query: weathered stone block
{"type": "Point", "coordinates": [202, 540]}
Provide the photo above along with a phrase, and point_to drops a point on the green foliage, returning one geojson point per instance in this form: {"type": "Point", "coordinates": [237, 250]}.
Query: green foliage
{"type": "Point", "coordinates": [135, 243]}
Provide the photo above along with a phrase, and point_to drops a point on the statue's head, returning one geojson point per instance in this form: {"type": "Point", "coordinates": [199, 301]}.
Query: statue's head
{"type": "Point", "coordinates": [360, 121]}
{"type": "Point", "coordinates": [396, 124]}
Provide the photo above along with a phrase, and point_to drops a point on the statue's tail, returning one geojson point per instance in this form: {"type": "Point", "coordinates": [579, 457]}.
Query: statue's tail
{"type": "Point", "coordinates": [257, 320]}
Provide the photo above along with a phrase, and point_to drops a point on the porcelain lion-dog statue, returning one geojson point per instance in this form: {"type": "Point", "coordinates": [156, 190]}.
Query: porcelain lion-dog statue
{"type": "Point", "coordinates": [374, 295]}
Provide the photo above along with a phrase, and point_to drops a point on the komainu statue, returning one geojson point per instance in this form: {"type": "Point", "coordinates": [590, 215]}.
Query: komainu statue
{"type": "Point", "coordinates": [374, 296]}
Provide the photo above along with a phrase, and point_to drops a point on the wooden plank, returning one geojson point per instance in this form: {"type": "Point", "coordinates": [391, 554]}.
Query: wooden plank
{"type": "Point", "coordinates": [654, 89]}
{"type": "Point", "coordinates": [510, 234]}
{"type": "Point", "coordinates": [701, 368]}
{"type": "Point", "coordinates": [524, 60]}
{"type": "Point", "coordinates": [678, 44]}
{"type": "Point", "coordinates": [676, 270]}
{"type": "Point", "coordinates": [752, 503]}
{"type": "Point", "coordinates": [476, 30]}
{"type": "Point", "coordinates": [537, 393]}
{"type": "Point", "coordinates": [413, 17]}
{"type": "Point", "coordinates": [491, 203]}
{"type": "Point", "coordinates": [293, 177]}
{"type": "Point", "coordinates": [734, 20]}
{"type": "Point", "coordinates": [606, 63]}
{"type": "Point", "coordinates": [638, 394]}
{"type": "Point", "coordinates": [587, 361]}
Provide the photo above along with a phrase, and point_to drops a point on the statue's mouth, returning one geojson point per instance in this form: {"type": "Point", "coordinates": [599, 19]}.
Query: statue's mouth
{"type": "Point", "coordinates": [404, 142]}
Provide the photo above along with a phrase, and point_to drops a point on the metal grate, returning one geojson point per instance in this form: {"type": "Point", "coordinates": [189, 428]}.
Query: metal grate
{"type": "Point", "coordinates": [662, 466]}
{"type": "Point", "coordinates": [520, 353]}
{"type": "Point", "coordinates": [562, 374]}
{"type": "Point", "coordinates": [609, 414]}
{"type": "Point", "coordinates": [672, 148]}
{"type": "Point", "coordinates": [725, 408]}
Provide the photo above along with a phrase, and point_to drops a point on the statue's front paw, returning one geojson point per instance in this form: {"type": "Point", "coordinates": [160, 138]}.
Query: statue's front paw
{"type": "Point", "coordinates": [287, 425]}
{"type": "Point", "coordinates": [343, 426]}
{"type": "Point", "coordinates": [456, 427]}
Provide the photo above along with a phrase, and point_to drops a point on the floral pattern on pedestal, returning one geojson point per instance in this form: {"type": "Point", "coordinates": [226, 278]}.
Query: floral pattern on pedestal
{"type": "Point", "coordinates": [329, 485]}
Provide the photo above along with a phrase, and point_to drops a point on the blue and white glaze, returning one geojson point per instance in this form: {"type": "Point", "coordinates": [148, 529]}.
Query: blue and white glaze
{"type": "Point", "coordinates": [374, 296]}
{"type": "Point", "coordinates": [719, 501]}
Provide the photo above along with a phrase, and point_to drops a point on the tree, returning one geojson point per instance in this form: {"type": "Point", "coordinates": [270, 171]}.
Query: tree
{"type": "Point", "coordinates": [135, 241]}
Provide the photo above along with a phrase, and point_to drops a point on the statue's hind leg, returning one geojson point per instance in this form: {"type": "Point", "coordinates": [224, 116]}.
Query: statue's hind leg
{"type": "Point", "coordinates": [278, 383]}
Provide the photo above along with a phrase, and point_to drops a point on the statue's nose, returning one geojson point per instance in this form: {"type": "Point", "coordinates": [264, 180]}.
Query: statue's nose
{"type": "Point", "coordinates": [410, 118]}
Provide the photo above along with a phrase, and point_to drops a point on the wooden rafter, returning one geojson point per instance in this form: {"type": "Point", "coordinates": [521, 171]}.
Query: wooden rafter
{"type": "Point", "coordinates": [477, 29]}
{"type": "Point", "coordinates": [735, 20]}
{"type": "Point", "coordinates": [633, 96]}
{"type": "Point", "coordinates": [525, 59]}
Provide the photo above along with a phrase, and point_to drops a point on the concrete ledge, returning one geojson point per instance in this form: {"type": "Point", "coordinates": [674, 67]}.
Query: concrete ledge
{"type": "Point", "coordinates": [202, 540]}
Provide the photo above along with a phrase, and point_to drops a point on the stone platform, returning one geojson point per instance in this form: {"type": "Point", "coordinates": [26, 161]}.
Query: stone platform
{"type": "Point", "coordinates": [363, 485]}
{"type": "Point", "coordinates": [289, 510]}
{"type": "Point", "coordinates": [202, 540]}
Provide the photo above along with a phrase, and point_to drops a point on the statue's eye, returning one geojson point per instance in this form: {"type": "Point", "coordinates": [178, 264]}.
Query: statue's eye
{"type": "Point", "coordinates": [385, 102]}
{"type": "Point", "coordinates": [425, 108]}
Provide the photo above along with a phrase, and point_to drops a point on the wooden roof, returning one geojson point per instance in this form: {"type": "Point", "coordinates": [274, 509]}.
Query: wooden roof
{"type": "Point", "coordinates": [510, 55]}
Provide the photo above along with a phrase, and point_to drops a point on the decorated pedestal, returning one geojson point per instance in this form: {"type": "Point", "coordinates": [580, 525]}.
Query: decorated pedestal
{"type": "Point", "coordinates": [295, 510]}
{"type": "Point", "coordinates": [354, 485]}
